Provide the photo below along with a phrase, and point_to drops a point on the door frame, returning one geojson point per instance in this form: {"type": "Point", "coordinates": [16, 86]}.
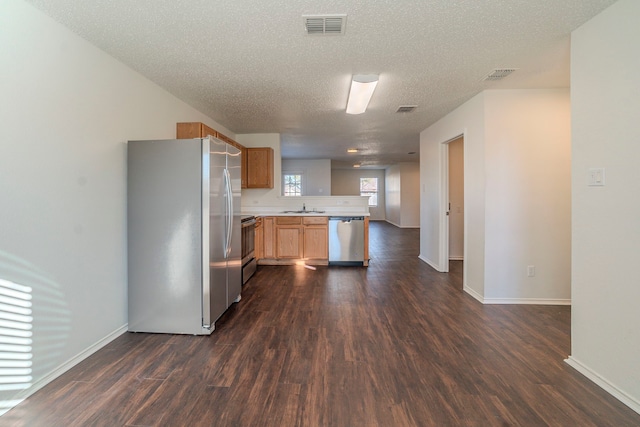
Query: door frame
{"type": "Point", "coordinates": [444, 205]}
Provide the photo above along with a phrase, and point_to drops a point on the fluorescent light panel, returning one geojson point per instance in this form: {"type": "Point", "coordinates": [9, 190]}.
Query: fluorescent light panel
{"type": "Point", "coordinates": [362, 87]}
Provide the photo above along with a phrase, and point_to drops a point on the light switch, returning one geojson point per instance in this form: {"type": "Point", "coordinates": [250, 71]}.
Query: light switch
{"type": "Point", "coordinates": [596, 177]}
{"type": "Point", "coordinates": [531, 270]}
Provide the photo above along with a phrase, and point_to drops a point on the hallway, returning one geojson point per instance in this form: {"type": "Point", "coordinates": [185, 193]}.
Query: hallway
{"type": "Point", "coordinates": [394, 344]}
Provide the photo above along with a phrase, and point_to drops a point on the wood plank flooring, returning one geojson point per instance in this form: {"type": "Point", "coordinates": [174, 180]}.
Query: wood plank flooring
{"type": "Point", "coordinates": [395, 344]}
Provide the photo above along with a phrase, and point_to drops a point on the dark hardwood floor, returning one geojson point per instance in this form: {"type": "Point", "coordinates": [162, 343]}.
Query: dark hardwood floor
{"type": "Point", "coordinates": [395, 344]}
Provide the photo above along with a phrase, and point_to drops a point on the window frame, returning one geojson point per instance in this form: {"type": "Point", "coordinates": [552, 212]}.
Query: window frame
{"type": "Point", "coordinates": [284, 183]}
{"type": "Point", "coordinates": [370, 193]}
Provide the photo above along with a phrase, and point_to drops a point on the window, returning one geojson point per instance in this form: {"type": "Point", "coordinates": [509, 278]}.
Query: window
{"type": "Point", "coordinates": [369, 187]}
{"type": "Point", "coordinates": [292, 184]}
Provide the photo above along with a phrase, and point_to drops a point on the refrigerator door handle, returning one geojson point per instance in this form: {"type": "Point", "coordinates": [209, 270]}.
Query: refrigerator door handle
{"type": "Point", "coordinates": [227, 178]}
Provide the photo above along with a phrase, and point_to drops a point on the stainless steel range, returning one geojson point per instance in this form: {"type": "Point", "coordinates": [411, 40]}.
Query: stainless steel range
{"type": "Point", "coordinates": [249, 264]}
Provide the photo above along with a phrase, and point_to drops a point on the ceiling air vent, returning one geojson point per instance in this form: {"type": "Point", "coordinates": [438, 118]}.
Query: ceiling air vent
{"type": "Point", "coordinates": [499, 74]}
{"type": "Point", "coordinates": [325, 24]}
{"type": "Point", "coordinates": [406, 108]}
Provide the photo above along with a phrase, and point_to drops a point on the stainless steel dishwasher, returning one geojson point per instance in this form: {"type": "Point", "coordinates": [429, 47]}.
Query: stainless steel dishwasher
{"type": "Point", "coordinates": [346, 240]}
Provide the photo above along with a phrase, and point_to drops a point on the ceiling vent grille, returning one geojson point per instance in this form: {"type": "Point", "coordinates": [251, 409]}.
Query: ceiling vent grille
{"type": "Point", "coordinates": [499, 74]}
{"type": "Point", "coordinates": [406, 108]}
{"type": "Point", "coordinates": [325, 24]}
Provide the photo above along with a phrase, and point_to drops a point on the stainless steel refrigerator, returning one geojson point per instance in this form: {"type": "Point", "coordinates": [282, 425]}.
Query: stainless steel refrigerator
{"type": "Point", "coordinates": [183, 213]}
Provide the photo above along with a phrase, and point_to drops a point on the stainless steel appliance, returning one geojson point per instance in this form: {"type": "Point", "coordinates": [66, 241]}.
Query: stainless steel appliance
{"type": "Point", "coordinates": [249, 263]}
{"type": "Point", "coordinates": [183, 210]}
{"type": "Point", "coordinates": [346, 240]}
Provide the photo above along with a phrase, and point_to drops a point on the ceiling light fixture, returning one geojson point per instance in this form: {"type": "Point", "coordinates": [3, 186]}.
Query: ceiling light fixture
{"type": "Point", "coordinates": [362, 87]}
{"type": "Point", "coordinates": [356, 166]}
{"type": "Point", "coordinates": [352, 150]}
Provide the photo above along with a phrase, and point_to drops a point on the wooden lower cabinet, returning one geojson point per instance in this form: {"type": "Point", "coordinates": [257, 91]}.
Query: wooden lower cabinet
{"type": "Point", "coordinates": [290, 239]}
{"type": "Point", "coordinates": [258, 242]}
{"type": "Point", "coordinates": [315, 243]}
{"type": "Point", "coordinates": [269, 238]}
{"type": "Point", "coordinates": [316, 238]}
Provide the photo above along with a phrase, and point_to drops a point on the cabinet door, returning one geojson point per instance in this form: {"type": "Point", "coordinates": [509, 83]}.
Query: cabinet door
{"type": "Point", "coordinates": [269, 242]}
{"type": "Point", "coordinates": [316, 242]}
{"type": "Point", "coordinates": [366, 241]}
{"type": "Point", "coordinates": [289, 241]}
{"type": "Point", "coordinates": [259, 239]}
{"type": "Point", "coordinates": [259, 167]}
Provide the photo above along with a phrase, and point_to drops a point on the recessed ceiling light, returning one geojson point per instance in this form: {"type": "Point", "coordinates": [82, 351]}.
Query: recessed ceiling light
{"type": "Point", "coordinates": [362, 87]}
{"type": "Point", "coordinates": [352, 150]}
{"type": "Point", "coordinates": [356, 166]}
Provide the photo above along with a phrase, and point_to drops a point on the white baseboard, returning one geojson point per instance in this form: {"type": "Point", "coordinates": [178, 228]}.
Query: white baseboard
{"type": "Point", "coordinates": [473, 294]}
{"type": "Point", "coordinates": [64, 367]}
{"type": "Point", "coordinates": [604, 384]}
{"type": "Point", "coordinates": [431, 263]}
{"type": "Point", "coordinates": [531, 301]}
{"type": "Point", "coordinates": [401, 226]}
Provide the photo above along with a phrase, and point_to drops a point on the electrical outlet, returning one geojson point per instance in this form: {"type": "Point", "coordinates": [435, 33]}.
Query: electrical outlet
{"type": "Point", "coordinates": [531, 270]}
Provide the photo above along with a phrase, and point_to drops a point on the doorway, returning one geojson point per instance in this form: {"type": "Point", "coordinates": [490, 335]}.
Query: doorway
{"type": "Point", "coordinates": [456, 199]}
{"type": "Point", "coordinates": [452, 215]}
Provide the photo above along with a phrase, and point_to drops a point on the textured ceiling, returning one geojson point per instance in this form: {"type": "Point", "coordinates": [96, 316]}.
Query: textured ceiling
{"type": "Point", "coordinates": [250, 66]}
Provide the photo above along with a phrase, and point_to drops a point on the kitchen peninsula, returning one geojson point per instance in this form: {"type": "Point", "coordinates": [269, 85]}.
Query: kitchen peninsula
{"type": "Point", "coordinates": [293, 238]}
{"type": "Point", "coordinates": [295, 230]}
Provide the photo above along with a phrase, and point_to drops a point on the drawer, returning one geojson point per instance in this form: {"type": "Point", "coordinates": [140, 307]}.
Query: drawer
{"type": "Point", "coordinates": [315, 220]}
{"type": "Point", "coordinates": [288, 220]}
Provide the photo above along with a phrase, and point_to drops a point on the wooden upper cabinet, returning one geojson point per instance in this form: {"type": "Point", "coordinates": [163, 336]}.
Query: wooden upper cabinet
{"type": "Point", "coordinates": [194, 130]}
{"type": "Point", "coordinates": [244, 168]}
{"type": "Point", "coordinates": [259, 167]}
{"type": "Point", "coordinates": [256, 169]}
{"type": "Point", "coordinates": [188, 130]}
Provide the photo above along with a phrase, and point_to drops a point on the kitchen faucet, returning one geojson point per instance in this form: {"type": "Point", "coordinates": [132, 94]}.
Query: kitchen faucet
{"type": "Point", "coordinates": [304, 207]}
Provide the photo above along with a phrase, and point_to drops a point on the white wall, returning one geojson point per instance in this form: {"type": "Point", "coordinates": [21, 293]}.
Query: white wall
{"type": "Point", "coordinates": [316, 174]}
{"type": "Point", "coordinates": [468, 119]}
{"type": "Point", "coordinates": [393, 195]}
{"type": "Point", "coordinates": [517, 188]}
{"type": "Point", "coordinates": [605, 98]}
{"type": "Point", "coordinates": [67, 111]}
{"type": "Point", "coordinates": [528, 195]}
{"type": "Point", "coordinates": [410, 175]}
{"type": "Point", "coordinates": [402, 195]}
{"type": "Point", "coordinates": [346, 182]}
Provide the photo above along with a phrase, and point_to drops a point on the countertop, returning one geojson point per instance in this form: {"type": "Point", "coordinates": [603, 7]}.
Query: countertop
{"type": "Point", "coordinates": [307, 213]}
